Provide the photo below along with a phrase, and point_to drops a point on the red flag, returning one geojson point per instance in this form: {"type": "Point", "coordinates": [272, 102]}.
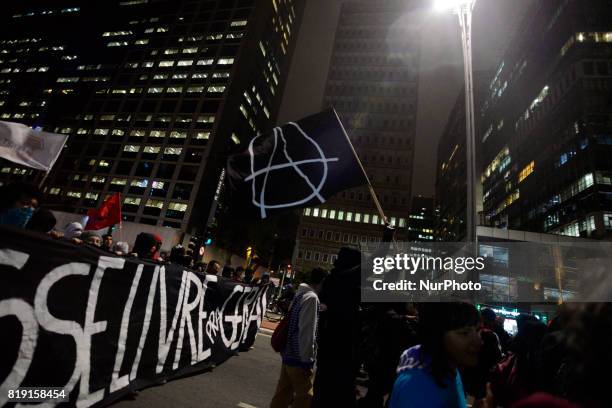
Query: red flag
{"type": "Point", "coordinates": [107, 215]}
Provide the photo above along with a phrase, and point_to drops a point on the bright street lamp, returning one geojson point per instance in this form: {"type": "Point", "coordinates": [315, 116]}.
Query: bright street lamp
{"type": "Point", "coordinates": [463, 9]}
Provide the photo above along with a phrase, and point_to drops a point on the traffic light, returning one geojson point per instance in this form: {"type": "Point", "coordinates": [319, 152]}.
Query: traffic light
{"type": "Point", "coordinates": [208, 238]}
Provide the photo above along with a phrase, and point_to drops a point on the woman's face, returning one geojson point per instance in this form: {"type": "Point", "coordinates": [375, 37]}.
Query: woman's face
{"type": "Point", "coordinates": [462, 346]}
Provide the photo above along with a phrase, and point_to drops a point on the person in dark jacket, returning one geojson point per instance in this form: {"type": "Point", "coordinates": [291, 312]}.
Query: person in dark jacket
{"type": "Point", "coordinates": [340, 335]}
{"type": "Point", "coordinates": [395, 331]}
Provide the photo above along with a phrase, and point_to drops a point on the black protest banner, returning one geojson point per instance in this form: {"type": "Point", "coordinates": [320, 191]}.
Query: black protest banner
{"type": "Point", "coordinates": [100, 325]}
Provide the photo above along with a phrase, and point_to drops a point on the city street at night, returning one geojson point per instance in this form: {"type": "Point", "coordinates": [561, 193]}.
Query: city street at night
{"type": "Point", "coordinates": [245, 381]}
{"type": "Point", "coordinates": [306, 203]}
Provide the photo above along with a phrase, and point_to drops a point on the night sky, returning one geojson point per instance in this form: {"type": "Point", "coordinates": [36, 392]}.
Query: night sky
{"type": "Point", "coordinates": [441, 75]}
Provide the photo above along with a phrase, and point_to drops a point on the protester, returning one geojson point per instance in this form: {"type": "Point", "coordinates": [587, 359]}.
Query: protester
{"type": "Point", "coordinates": [589, 356]}
{"type": "Point", "coordinates": [147, 246]}
{"type": "Point", "coordinates": [393, 329]}
{"type": "Point", "coordinates": [73, 232]}
{"type": "Point", "coordinates": [340, 335]}
{"type": "Point", "coordinates": [213, 267]}
{"type": "Point", "coordinates": [295, 386]}
{"type": "Point", "coordinates": [227, 271]}
{"type": "Point", "coordinates": [491, 322]}
{"type": "Point", "coordinates": [428, 374]}
{"type": "Point", "coordinates": [516, 376]}
{"type": "Point", "coordinates": [238, 275]}
{"type": "Point", "coordinates": [121, 248]}
{"type": "Point", "coordinates": [475, 378]}
{"type": "Point", "coordinates": [107, 242]}
{"type": "Point", "coordinates": [42, 221]}
{"type": "Point", "coordinates": [17, 203]}
{"type": "Point", "coordinates": [248, 275]}
{"type": "Point", "coordinates": [91, 238]}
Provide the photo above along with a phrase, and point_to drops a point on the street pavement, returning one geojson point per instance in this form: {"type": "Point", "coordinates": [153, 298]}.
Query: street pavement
{"type": "Point", "coordinates": [246, 381]}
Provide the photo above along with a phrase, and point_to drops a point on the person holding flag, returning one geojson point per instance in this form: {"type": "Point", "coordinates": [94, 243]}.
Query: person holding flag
{"type": "Point", "coordinates": [107, 215]}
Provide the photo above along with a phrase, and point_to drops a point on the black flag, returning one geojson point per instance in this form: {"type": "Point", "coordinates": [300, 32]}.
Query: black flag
{"type": "Point", "coordinates": [297, 165]}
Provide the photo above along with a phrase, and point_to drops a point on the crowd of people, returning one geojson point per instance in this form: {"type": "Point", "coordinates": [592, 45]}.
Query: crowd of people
{"type": "Point", "coordinates": [430, 355]}
{"type": "Point", "coordinates": [411, 355]}
{"type": "Point", "coordinates": [21, 207]}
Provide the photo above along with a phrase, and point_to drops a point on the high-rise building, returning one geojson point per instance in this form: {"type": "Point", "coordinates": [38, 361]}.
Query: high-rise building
{"type": "Point", "coordinates": [153, 93]}
{"type": "Point", "coordinates": [422, 220]}
{"type": "Point", "coordinates": [372, 83]}
{"type": "Point", "coordinates": [547, 128]}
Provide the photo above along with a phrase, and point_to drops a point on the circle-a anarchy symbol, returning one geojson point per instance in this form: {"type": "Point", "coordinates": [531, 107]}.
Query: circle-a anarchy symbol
{"type": "Point", "coordinates": [258, 200]}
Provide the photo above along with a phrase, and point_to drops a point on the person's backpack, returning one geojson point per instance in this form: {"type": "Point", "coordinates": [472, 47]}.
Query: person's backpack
{"type": "Point", "coordinates": [280, 335]}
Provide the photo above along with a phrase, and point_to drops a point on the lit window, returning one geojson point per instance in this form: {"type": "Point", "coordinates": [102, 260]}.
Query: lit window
{"type": "Point", "coordinates": [173, 150]}
{"type": "Point", "coordinates": [143, 183]}
{"type": "Point", "coordinates": [103, 163]}
{"type": "Point", "coordinates": [171, 51]}
{"type": "Point", "coordinates": [185, 63]}
{"type": "Point", "coordinates": [75, 194]}
{"type": "Point", "coordinates": [101, 132]}
{"type": "Point", "coordinates": [119, 181]}
{"type": "Point", "coordinates": [206, 119]}
{"type": "Point", "coordinates": [526, 171]}
{"type": "Point", "coordinates": [202, 135]}
{"type": "Point", "coordinates": [178, 135]}
{"type": "Point", "coordinates": [141, 41]}
{"type": "Point", "coordinates": [131, 148]}
{"type": "Point", "coordinates": [235, 139]}
{"type": "Point", "coordinates": [238, 23]}
{"type": "Point", "coordinates": [117, 44]}
{"type": "Point", "coordinates": [116, 33]}
{"type": "Point", "coordinates": [154, 203]}
{"type": "Point", "coordinates": [225, 61]}
{"type": "Point", "coordinates": [192, 89]}
{"type": "Point", "coordinates": [206, 62]}
{"type": "Point", "coordinates": [155, 90]}
{"type": "Point", "coordinates": [67, 79]}
{"type": "Point", "coordinates": [147, 64]}
{"type": "Point", "coordinates": [151, 149]}
{"type": "Point", "coordinates": [98, 179]}
{"type": "Point", "coordinates": [199, 75]}
{"type": "Point", "coordinates": [131, 201]}
{"type": "Point", "coordinates": [54, 190]}
{"type": "Point", "coordinates": [91, 196]}
{"type": "Point", "coordinates": [217, 88]}
{"type": "Point", "coordinates": [177, 206]}
{"type": "Point", "coordinates": [166, 63]}
{"type": "Point", "coordinates": [179, 76]}
{"type": "Point", "coordinates": [174, 89]}
{"type": "Point", "coordinates": [221, 75]}
{"type": "Point", "coordinates": [118, 132]}
{"type": "Point", "coordinates": [190, 50]}
{"type": "Point", "coordinates": [157, 133]}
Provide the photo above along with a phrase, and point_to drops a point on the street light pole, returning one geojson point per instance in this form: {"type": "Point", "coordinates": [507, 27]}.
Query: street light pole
{"type": "Point", "coordinates": [464, 12]}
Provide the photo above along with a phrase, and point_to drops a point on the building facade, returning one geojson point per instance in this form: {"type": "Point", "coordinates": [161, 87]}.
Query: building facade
{"type": "Point", "coordinates": [422, 220]}
{"type": "Point", "coordinates": [372, 83]}
{"type": "Point", "coordinates": [547, 127]}
{"type": "Point", "coordinates": [153, 93]}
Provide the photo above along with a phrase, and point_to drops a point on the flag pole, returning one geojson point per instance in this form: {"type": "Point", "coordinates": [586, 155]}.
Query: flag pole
{"type": "Point", "coordinates": [370, 187]}
{"type": "Point", "coordinates": [43, 179]}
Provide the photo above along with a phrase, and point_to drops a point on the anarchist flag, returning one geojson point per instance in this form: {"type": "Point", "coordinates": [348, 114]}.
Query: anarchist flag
{"type": "Point", "coordinates": [297, 165]}
{"type": "Point", "coordinates": [107, 215]}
